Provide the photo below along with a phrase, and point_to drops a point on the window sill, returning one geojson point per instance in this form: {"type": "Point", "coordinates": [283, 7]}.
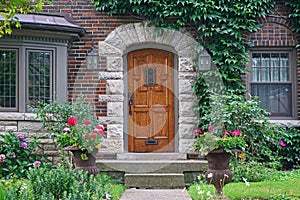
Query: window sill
{"type": "Point", "coordinates": [286, 122]}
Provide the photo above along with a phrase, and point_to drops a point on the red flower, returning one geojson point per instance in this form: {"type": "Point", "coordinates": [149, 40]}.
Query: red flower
{"type": "Point", "coordinates": [72, 121]}
{"type": "Point", "coordinates": [87, 135]}
{"type": "Point", "coordinates": [93, 136]}
{"type": "Point", "coordinates": [86, 122]}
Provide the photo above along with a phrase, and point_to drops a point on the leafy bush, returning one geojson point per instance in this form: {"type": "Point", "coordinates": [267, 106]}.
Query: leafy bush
{"type": "Point", "coordinates": [17, 189]}
{"type": "Point", "coordinates": [53, 115]}
{"type": "Point", "coordinates": [18, 154]}
{"type": "Point", "coordinates": [3, 194]}
{"type": "Point", "coordinates": [64, 183]}
{"type": "Point", "coordinates": [270, 143]}
{"type": "Point", "coordinates": [290, 154]}
{"type": "Point", "coordinates": [251, 170]}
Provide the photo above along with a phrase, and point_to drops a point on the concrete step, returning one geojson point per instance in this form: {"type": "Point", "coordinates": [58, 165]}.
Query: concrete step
{"type": "Point", "coordinates": [125, 171]}
{"type": "Point", "coordinates": [152, 166]}
{"type": "Point", "coordinates": [153, 181]}
{"type": "Point", "coordinates": [151, 156]}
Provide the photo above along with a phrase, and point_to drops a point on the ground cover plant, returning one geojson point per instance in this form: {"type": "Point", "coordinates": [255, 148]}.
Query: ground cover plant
{"type": "Point", "coordinates": [275, 185]}
{"type": "Point", "coordinates": [60, 183]}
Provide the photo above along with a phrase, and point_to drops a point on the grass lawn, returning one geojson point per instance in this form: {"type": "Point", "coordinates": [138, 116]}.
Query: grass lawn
{"type": "Point", "coordinates": [283, 190]}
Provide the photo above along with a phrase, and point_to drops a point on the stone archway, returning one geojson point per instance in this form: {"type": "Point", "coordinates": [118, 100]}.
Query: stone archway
{"type": "Point", "coordinates": [111, 52]}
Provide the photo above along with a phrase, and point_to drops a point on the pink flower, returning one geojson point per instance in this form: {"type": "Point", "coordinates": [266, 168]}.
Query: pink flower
{"type": "Point", "coordinates": [81, 181]}
{"type": "Point", "coordinates": [86, 122]}
{"type": "Point", "coordinates": [236, 132]}
{"type": "Point", "coordinates": [100, 127]}
{"type": "Point", "coordinates": [93, 136]}
{"type": "Point", "coordinates": [197, 132]}
{"type": "Point", "coordinates": [99, 131]}
{"type": "Point", "coordinates": [23, 145]}
{"type": "Point", "coordinates": [2, 158]}
{"type": "Point", "coordinates": [225, 133]}
{"type": "Point", "coordinates": [86, 135]}
{"type": "Point", "coordinates": [210, 128]}
{"type": "Point", "coordinates": [36, 163]}
{"type": "Point", "coordinates": [72, 121]}
{"type": "Point", "coordinates": [282, 143]}
{"type": "Point", "coordinates": [21, 136]}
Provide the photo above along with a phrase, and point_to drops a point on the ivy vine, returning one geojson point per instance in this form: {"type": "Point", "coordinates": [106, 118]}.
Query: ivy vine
{"type": "Point", "coordinates": [218, 25]}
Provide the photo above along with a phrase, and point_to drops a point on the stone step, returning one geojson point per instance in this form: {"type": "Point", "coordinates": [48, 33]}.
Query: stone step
{"type": "Point", "coordinates": [152, 166]}
{"type": "Point", "coordinates": [154, 181]}
{"type": "Point", "coordinates": [151, 156]}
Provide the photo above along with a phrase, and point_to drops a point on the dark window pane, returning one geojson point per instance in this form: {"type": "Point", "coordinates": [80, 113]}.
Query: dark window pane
{"type": "Point", "coordinates": [39, 76]}
{"type": "Point", "coordinates": [8, 82]}
{"type": "Point", "coordinates": [276, 98]}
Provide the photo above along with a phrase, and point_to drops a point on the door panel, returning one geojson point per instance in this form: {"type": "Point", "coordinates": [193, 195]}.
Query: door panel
{"type": "Point", "coordinates": [150, 86]}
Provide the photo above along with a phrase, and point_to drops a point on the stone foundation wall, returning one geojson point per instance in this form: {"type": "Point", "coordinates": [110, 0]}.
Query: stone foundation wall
{"type": "Point", "coordinates": [26, 124]}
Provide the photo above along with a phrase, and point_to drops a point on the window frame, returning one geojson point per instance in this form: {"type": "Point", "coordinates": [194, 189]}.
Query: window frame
{"type": "Point", "coordinates": [9, 109]}
{"type": "Point", "coordinates": [52, 71]}
{"type": "Point", "coordinates": [59, 68]}
{"type": "Point", "coordinates": [292, 74]}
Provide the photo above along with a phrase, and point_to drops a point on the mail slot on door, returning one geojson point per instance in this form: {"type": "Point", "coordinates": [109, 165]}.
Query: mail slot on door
{"type": "Point", "coordinates": [151, 142]}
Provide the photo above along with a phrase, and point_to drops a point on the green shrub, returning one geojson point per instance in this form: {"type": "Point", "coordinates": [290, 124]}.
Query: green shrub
{"type": "Point", "coordinates": [270, 143]}
{"type": "Point", "coordinates": [63, 183]}
{"type": "Point", "coordinates": [17, 189]}
{"type": "Point", "coordinates": [251, 170]}
{"type": "Point", "coordinates": [53, 182]}
{"type": "Point", "coordinates": [3, 194]}
{"type": "Point", "coordinates": [18, 154]}
{"type": "Point", "coordinates": [290, 154]}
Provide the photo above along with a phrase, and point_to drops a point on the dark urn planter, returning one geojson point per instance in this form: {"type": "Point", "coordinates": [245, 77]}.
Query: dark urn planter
{"type": "Point", "coordinates": [218, 172]}
{"type": "Point", "coordinates": [88, 165]}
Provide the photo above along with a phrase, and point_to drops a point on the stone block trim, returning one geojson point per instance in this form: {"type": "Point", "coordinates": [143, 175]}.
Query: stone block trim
{"type": "Point", "coordinates": [131, 36]}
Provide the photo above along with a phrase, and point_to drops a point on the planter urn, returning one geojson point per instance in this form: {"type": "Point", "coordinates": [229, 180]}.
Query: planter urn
{"type": "Point", "coordinates": [218, 173]}
{"type": "Point", "coordinates": [88, 165]}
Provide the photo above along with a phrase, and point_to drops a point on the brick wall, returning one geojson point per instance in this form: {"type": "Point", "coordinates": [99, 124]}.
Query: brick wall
{"type": "Point", "coordinates": [97, 25]}
{"type": "Point", "coordinates": [277, 31]}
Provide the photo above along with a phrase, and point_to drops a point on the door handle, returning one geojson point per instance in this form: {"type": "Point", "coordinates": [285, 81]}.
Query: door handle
{"type": "Point", "coordinates": [130, 102]}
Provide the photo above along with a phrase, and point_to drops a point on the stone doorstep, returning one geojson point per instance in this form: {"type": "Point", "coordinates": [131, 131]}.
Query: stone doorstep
{"type": "Point", "coordinates": [154, 181]}
{"type": "Point", "coordinates": [152, 170]}
{"type": "Point", "coordinates": [152, 166]}
{"type": "Point", "coordinates": [151, 156]}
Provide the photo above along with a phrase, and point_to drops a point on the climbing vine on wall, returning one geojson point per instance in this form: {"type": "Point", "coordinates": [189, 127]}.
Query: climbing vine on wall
{"type": "Point", "coordinates": [218, 25]}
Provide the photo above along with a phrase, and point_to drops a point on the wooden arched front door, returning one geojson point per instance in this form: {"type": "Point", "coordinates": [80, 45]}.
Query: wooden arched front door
{"type": "Point", "coordinates": [150, 101]}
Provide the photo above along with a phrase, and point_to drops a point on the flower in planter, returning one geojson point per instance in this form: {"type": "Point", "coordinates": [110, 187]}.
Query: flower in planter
{"type": "Point", "coordinates": [84, 134]}
{"type": "Point", "coordinates": [212, 138]}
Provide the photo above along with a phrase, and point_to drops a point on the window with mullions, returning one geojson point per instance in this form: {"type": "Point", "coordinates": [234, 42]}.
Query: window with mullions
{"type": "Point", "coordinates": [272, 82]}
{"type": "Point", "coordinates": [39, 76]}
{"type": "Point", "coordinates": [8, 79]}
{"type": "Point", "coordinates": [25, 79]}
